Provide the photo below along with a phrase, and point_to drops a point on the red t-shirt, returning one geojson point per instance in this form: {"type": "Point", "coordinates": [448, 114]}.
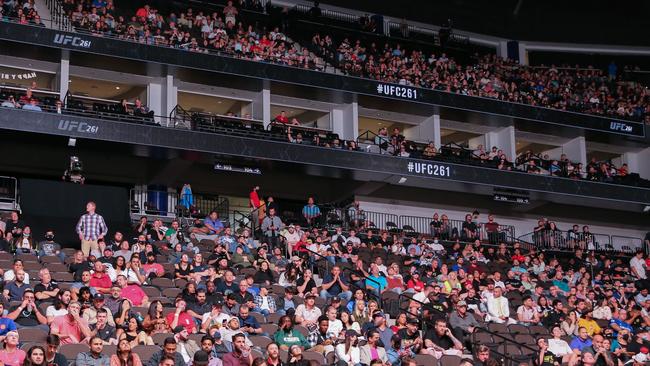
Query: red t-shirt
{"type": "Point", "coordinates": [416, 285]}
{"type": "Point", "coordinates": [395, 282]}
{"type": "Point", "coordinates": [255, 198]}
{"type": "Point", "coordinates": [281, 119]}
{"type": "Point", "coordinates": [134, 294]}
{"type": "Point", "coordinates": [184, 319]}
{"type": "Point", "coordinates": [100, 282]}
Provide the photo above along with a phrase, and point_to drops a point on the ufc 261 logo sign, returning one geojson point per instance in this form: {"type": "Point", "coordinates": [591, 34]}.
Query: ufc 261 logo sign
{"type": "Point", "coordinates": [70, 126]}
{"type": "Point", "coordinates": [74, 41]}
{"type": "Point", "coordinates": [433, 170]}
{"type": "Point", "coordinates": [620, 126]}
{"type": "Point", "coordinates": [397, 91]}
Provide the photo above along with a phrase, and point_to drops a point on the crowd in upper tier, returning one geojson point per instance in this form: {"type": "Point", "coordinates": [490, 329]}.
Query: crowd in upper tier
{"type": "Point", "coordinates": [571, 88]}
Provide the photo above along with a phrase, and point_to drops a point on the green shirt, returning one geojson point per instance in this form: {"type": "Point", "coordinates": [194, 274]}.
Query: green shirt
{"type": "Point", "coordinates": [294, 337]}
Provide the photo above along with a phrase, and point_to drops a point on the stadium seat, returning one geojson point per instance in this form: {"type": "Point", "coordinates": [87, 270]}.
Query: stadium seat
{"type": "Point", "coordinates": [518, 329]}
{"type": "Point", "coordinates": [159, 338]}
{"type": "Point", "coordinates": [314, 356]}
{"type": "Point", "coordinates": [32, 335]}
{"type": "Point", "coordinates": [427, 360]}
{"type": "Point", "coordinates": [448, 360]}
{"type": "Point", "coordinates": [171, 292]}
{"type": "Point", "coordinates": [269, 328]}
{"type": "Point", "coordinates": [303, 330]}
{"type": "Point", "coordinates": [260, 341]}
{"type": "Point", "coordinates": [70, 351]}
{"type": "Point", "coordinates": [145, 352]}
{"type": "Point", "coordinates": [162, 283]}
{"type": "Point", "coordinates": [151, 291]}
{"type": "Point", "coordinates": [273, 318]}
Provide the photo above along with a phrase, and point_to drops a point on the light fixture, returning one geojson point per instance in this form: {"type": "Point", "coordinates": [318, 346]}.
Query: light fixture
{"type": "Point", "coordinates": [72, 142]}
{"type": "Point", "coordinates": [117, 87]}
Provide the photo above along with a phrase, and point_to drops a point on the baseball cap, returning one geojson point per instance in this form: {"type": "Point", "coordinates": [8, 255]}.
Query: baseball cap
{"type": "Point", "coordinates": [310, 296]}
{"type": "Point", "coordinates": [413, 321]}
{"type": "Point", "coordinates": [295, 258]}
{"type": "Point", "coordinates": [178, 329]}
{"type": "Point", "coordinates": [461, 303]}
{"type": "Point", "coordinates": [336, 299]}
{"type": "Point", "coordinates": [98, 296]}
{"type": "Point", "coordinates": [378, 315]}
{"type": "Point", "coordinates": [200, 358]}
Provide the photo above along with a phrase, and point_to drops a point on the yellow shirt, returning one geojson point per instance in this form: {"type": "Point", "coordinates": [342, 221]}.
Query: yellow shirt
{"type": "Point", "coordinates": [591, 326]}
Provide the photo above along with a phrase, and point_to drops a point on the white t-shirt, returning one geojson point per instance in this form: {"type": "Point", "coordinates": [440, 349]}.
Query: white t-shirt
{"type": "Point", "coordinates": [639, 266]}
{"type": "Point", "coordinates": [309, 315]}
{"type": "Point", "coordinates": [335, 327]}
{"type": "Point", "coordinates": [10, 276]}
{"type": "Point", "coordinates": [51, 311]}
{"type": "Point", "coordinates": [421, 297]}
{"type": "Point", "coordinates": [558, 347]}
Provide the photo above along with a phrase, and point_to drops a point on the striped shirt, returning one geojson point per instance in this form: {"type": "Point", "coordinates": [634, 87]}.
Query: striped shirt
{"type": "Point", "coordinates": [310, 211]}
{"type": "Point", "coordinates": [92, 226]}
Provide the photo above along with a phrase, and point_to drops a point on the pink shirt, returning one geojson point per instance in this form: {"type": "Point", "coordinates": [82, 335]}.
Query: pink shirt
{"type": "Point", "coordinates": [15, 358]}
{"type": "Point", "coordinates": [134, 294]}
{"type": "Point", "coordinates": [68, 330]}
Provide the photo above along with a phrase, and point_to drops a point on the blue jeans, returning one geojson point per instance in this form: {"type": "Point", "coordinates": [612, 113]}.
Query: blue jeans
{"type": "Point", "coordinates": [344, 295]}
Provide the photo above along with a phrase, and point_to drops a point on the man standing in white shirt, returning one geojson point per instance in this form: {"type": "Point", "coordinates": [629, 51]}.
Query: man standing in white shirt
{"type": "Point", "coordinates": [638, 266]}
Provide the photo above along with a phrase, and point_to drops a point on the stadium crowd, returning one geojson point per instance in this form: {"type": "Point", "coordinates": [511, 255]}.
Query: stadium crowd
{"type": "Point", "coordinates": [572, 88]}
{"type": "Point", "coordinates": [203, 294]}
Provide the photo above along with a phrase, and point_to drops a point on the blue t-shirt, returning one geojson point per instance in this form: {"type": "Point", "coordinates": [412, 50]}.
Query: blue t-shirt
{"type": "Point", "coordinates": [622, 325]}
{"type": "Point", "coordinates": [336, 289]}
{"type": "Point", "coordinates": [378, 283]}
{"type": "Point", "coordinates": [6, 325]}
{"type": "Point", "coordinates": [579, 344]}
{"type": "Point", "coordinates": [216, 224]}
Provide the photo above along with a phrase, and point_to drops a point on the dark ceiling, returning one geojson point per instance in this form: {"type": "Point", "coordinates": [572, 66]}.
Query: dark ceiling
{"type": "Point", "coordinates": [598, 21]}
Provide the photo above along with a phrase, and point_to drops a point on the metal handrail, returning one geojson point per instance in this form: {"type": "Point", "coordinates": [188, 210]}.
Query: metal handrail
{"type": "Point", "coordinates": [365, 278]}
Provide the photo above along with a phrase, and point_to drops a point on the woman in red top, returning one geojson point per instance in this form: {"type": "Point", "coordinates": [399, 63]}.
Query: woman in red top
{"type": "Point", "coordinates": [415, 283]}
{"type": "Point", "coordinates": [400, 323]}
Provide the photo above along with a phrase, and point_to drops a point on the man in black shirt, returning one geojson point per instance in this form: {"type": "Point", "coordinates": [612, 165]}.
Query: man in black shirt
{"type": "Point", "coordinates": [544, 357]}
{"type": "Point", "coordinates": [441, 339]}
{"type": "Point", "coordinates": [555, 316]}
{"type": "Point", "coordinates": [244, 297]}
{"type": "Point", "coordinates": [101, 328]}
{"type": "Point", "coordinates": [410, 336]}
{"type": "Point", "coordinates": [46, 289]}
{"type": "Point", "coordinates": [469, 228]}
{"type": "Point", "coordinates": [52, 356]}
{"type": "Point", "coordinates": [14, 225]}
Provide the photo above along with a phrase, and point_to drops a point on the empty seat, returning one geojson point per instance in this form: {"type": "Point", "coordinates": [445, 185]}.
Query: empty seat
{"type": "Point", "coordinates": [501, 329]}
{"type": "Point", "coordinates": [518, 329]}
{"type": "Point", "coordinates": [32, 335]}
{"type": "Point", "coordinates": [145, 352]}
{"type": "Point", "coordinates": [260, 341]}
{"type": "Point", "coordinates": [70, 351]}
{"type": "Point", "coordinates": [448, 360]}
{"type": "Point", "coordinates": [269, 329]}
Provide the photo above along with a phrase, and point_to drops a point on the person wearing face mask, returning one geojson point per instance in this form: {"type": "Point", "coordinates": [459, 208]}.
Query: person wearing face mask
{"type": "Point", "coordinates": [24, 243]}
{"type": "Point", "coordinates": [49, 247]}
